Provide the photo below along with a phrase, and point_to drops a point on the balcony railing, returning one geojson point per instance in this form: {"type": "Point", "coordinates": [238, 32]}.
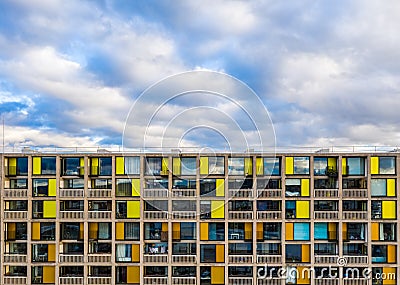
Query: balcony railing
{"type": "Point", "coordinates": [15, 215]}
{"type": "Point", "coordinates": [70, 258]}
{"type": "Point", "coordinates": [326, 215]}
{"type": "Point", "coordinates": [72, 193]}
{"type": "Point", "coordinates": [269, 193]}
{"type": "Point", "coordinates": [184, 280]}
{"type": "Point", "coordinates": [71, 214]}
{"type": "Point", "coordinates": [269, 281]}
{"type": "Point", "coordinates": [155, 280]}
{"type": "Point", "coordinates": [326, 259]}
{"type": "Point", "coordinates": [14, 258]}
{"type": "Point", "coordinates": [99, 280]}
{"type": "Point", "coordinates": [70, 280]}
{"type": "Point", "coordinates": [155, 193]}
{"type": "Point", "coordinates": [326, 281]}
{"type": "Point", "coordinates": [182, 215]}
{"type": "Point", "coordinates": [356, 259]}
{"type": "Point", "coordinates": [99, 193]}
{"type": "Point", "coordinates": [326, 193]}
{"type": "Point", "coordinates": [99, 215]}
{"type": "Point", "coordinates": [240, 258]}
{"type": "Point", "coordinates": [15, 193]}
{"type": "Point", "coordinates": [11, 280]}
{"type": "Point", "coordinates": [269, 259]}
{"type": "Point", "coordinates": [354, 281]}
{"type": "Point", "coordinates": [240, 215]}
{"type": "Point", "coordinates": [240, 280]}
{"type": "Point", "coordinates": [99, 258]}
{"type": "Point", "coordinates": [240, 193]}
{"type": "Point", "coordinates": [155, 258]}
{"type": "Point", "coordinates": [269, 215]}
{"type": "Point", "coordinates": [155, 215]}
{"type": "Point", "coordinates": [350, 215]}
{"type": "Point", "coordinates": [355, 193]}
{"type": "Point", "coordinates": [183, 192]}
{"type": "Point", "coordinates": [183, 258]}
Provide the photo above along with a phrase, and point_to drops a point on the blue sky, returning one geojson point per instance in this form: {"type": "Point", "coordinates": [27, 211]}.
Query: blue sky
{"type": "Point", "coordinates": [327, 71]}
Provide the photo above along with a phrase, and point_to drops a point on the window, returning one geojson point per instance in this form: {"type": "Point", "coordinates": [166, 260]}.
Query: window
{"type": "Point", "coordinates": [17, 166]}
{"type": "Point", "coordinates": [71, 271]}
{"type": "Point", "coordinates": [298, 231]}
{"type": "Point", "coordinates": [156, 205]}
{"type": "Point", "coordinates": [44, 209]}
{"type": "Point", "coordinates": [15, 271]}
{"type": "Point", "coordinates": [44, 187]}
{"type": "Point", "coordinates": [44, 165]}
{"type": "Point", "coordinates": [123, 253]}
{"type": "Point", "coordinates": [326, 166]}
{"type": "Point", "coordinates": [101, 166]}
{"type": "Point", "coordinates": [72, 248]}
{"type": "Point", "coordinates": [156, 166]}
{"type": "Point", "coordinates": [240, 205]}
{"type": "Point", "coordinates": [183, 231]}
{"type": "Point", "coordinates": [16, 205]}
{"type": "Point", "coordinates": [325, 249]}
{"type": "Point", "coordinates": [156, 248]}
{"type": "Point", "coordinates": [99, 205]}
{"type": "Point", "coordinates": [212, 187]}
{"type": "Point", "coordinates": [71, 231]}
{"type": "Point", "coordinates": [73, 166]}
{"type": "Point", "coordinates": [184, 205]}
{"type": "Point", "coordinates": [43, 252]}
{"type": "Point", "coordinates": [212, 209]}
{"type": "Point", "coordinates": [383, 209]}
{"type": "Point", "coordinates": [212, 253]}
{"type": "Point", "coordinates": [299, 165]}
{"type": "Point", "coordinates": [156, 231]}
{"type": "Point", "coordinates": [357, 183]}
{"type": "Point", "coordinates": [383, 165]}
{"type": "Point", "coordinates": [352, 205]}
{"type": "Point", "coordinates": [269, 249]}
{"type": "Point", "coordinates": [127, 231]}
{"type": "Point", "coordinates": [297, 209]}
{"type": "Point", "coordinates": [127, 209]}
{"type": "Point", "coordinates": [18, 184]}
{"type": "Point", "coordinates": [330, 183]}
{"type": "Point", "coordinates": [383, 253]}
{"type": "Point", "coordinates": [297, 187]}
{"type": "Point", "coordinates": [240, 183]}
{"type": "Point", "coordinates": [383, 187]}
{"type": "Point", "coordinates": [71, 205]}
{"type": "Point", "coordinates": [155, 271]}
{"type": "Point", "coordinates": [383, 232]}
{"type": "Point", "coordinates": [101, 183]}
{"type": "Point", "coordinates": [156, 184]}
{"type": "Point", "coordinates": [322, 205]}
{"type": "Point", "coordinates": [240, 231]}
{"type": "Point", "coordinates": [183, 184]}
{"type": "Point", "coordinates": [100, 231]}
{"type": "Point", "coordinates": [127, 274]}
{"type": "Point", "coordinates": [354, 231]}
{"type": "Point", "coordinates": [268, 205]}
{"type": "Point", "coordinates": [183, 248]}
{"type": "Point", "coordinates": [127, 187]}
{"type": "Point", "coordinates": [236, 166]}
{"type": "Point", "coordinates": [184, 271]}
{"type": "Point", "coordinates": [99, 247]}
{"type": "Point", "coordinates": [15, 248]}
{"type": "Point", "coordinates": [243, 248]}
{"type": "Point", "coordinates": [43, 231]}
{"type": "Point", "coordinates": [240, 271]}
{"type": "Point", "coordinates": [325, 231]}
{"type": "Point", "coordinates": [184, 166]}
{"type": "Point", "coordinates": [353, 166]}
{"type": "Point", "coordinates": [212, 231]}
{"type": "Point", "coordinates": [100, 271]}
{"type": "Point", "coordinates": [272, 166]}
{"type": "Point", "coordinates": [297, 253]}
{"type": "Point", "coordinates": [129, 165]}
{"type": "Point", "coordinates": [269, 231]}
{"type": "Point", "coordinates": [269, 183]}
{"type": "Point", "coordinates": [15, 231]}
{"type": "Point", "coordinates": [212, 165]}
{"type": "Point", "coordinates": [76, 183]}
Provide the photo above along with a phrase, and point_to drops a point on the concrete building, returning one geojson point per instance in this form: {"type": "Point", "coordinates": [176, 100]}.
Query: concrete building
{"type": "Point", "coordinates": [186, 218]}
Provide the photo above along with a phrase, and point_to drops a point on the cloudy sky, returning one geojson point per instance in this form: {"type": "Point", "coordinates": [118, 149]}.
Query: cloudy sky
{"type": "Point", "coordinates": [327, 71]}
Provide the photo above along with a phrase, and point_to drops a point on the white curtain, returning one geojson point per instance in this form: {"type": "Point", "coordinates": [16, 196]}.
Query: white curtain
{"type": "Point", "coordinates": [132, 165]}
{"type": "Point", "coordinates": [104, 231]}
{"type": "Point", "coordinates": [131, 231]}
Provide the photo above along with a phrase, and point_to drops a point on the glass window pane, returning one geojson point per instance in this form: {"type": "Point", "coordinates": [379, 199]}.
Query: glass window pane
{"type": "Point", "coordinates": [320, 165]}
{"type": "Point", "coordinates": [272, 166]}
{"type": "Point", "coordinates": [356, 165]}
{"type": "Point", "coordinates": [236, 166]}
{"type": "Point", "coordinates": [387, 165]}
{"type": "Point", "coordinates": [216, 165]}
{"type": "Point", "coordinates": [188, 166]}
{"type": "Point", "coordinates": [378, 187]}
{"type": "Point", "coordinates": [132, 165]}
{"type": "Point", "coordinates": [301, 165]}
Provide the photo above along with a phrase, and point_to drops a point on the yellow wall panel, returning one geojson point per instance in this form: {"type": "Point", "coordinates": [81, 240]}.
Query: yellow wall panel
{"type": "Point", "coordinates": [332, 231]}
{"type": "Point", "coordinates": [93, 230]}
{"type": "Point", "coordinates": [132, 274]}
{"type": "Point", "coordinates": [35, 231]}
{"type": "Point", "coordinates": [289, 165]}
{"type": "Point", "coordinates": [388, 209]}
{"type": "Point", "coordinates": [12, 166]}
{"type": "Point", "coordinates": [94, 166]}
{"type": "Point", "coordinates": [390, 274]}
{"type": "Point", "coordinates": [135, 253]}
{"type": "Point", "coordinates": [81, 230]}
{"type": "Point", "coordinates": [217, 275]}
{"type": "Point", "coordinates": [304, 275]}
{"type": "Point", "coordinates": [119, 231]}
{"type": "Point", "coordinates": [289, 231]}
{"type": "Point", "coordinates": [391, 254]}
{"type": "Point", "coordinates": [49, 209]}
{"type": "Point", "coordinates": [164, 227]}
{"type": "Point", "coordinates": [374, 231]}
{"type": "Point", "coordinates": [248, 230]}
{"type": "Point", "coordinates": [82, 166]}
{"type": "Point", "coordinates": [51, 252]}
{"type": "Point", "coordinates": [260, 231]}
{"type": "Point", "coordinates": [332, 163]}
{"type": "Point", "coordinates": [344, 231]}
{"type": "Point", "coordinates": [391, 187]}
{"type": "Point", "coordinates": [37, 165]}
{"type": "Point", "coordinates": [303, 209]}
{"type": "Point", "coordinates": [176, 231]}
{"type": "Point", "coordinates": [374, 165]}
{"type": "Point", "coordinates": [344, 166]}
{"type": "Point", "coordinates": [49, 274]}
{"type": "Point", "coordinates": [11, 231]}
{"type": "Point", "coordinates": [52, 190]}
{"type": "Point", "coordinates": [203, 231]}
{"type": "Point", "coordinates": [305, 187]}
{"type": "Point", "coordinates": [248, 166]}
{"type": "Point", "coordinates": [176, 166]}
{"type": "Point", "coordinates": [133, 209]}
{"type": "Point", "coordinates": [220, 188]}
{"type": "Point", "coordinates": [305, 253]}
{"type": "Point", "coordinates": [220, 253]}
{"type": "Point", "coordinates": [259, 166]}
{"type": "Point", "coordinates": [164, 166]}
{"type": "Point", "coordinates": [204, 165]}
{"type": "Point", "coordinates": [136, 187]}
{"type": "Point", "coordinates": [217, 209]}
{"type": "Point", "coordinates": [119, 166]}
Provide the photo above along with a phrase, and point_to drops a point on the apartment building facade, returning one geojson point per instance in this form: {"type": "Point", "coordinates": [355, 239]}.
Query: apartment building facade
{"type": "Point", "coordinates": [189, 218]}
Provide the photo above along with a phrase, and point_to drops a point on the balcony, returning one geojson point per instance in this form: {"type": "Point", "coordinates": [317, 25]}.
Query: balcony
{"type": "Point", "coordinates": [269, 193]}
{"type": "Point", "coordinates": [15, 193]}
{"type": "Point", "coordinates": [184, 215]}
{"type": "Point", "coordinates": [99, 280]}
{"type": "Point", "coordinates": [183, 193]}
{"type": "Point", "coordinates": [269, 215]}
{"type": "Point", "coordinates": [240, 215]}
{"type": "Point", "coordinates": [11, 280]}
{"type": "Point", "coordinates": [326, 215]}
{"type": "Point", "coordinates": [70, 258]}
{"type": "Point", "coordinates": [356, 259]}
{"type": "Point", "coordinates": [240, 193]}
{"type": "Point", "coordinates": [269, 281]}
{"type": "Point", "coordinates": [155, 193]}
{"type": "Point", "coordinates": [240, 258]}
{"type": "Point", "coordinates": [269, 259]}
{"type": "Point", "coordinates": [155, 258]}
{"type": "Point", "coordinates": [155, 280]}
{"type": "Point", "coordinates": [183, 258]}
{"type": "Point", "coordinates": [72, 193]}
{"type": "Point", "coordinates": [14, 258]}
{"type": "Point", "coordinates": [326, 193]}
{"type": "Point", "coordinates": [326, 259]}
{"type": "Point", "coordinates": [355, 215]}
{"type": "Point", "coordinates": [240, 280]}
{"type": "Point", "coordinates": [99, 193]}
{"type": "Point", "coordinates": [327, 281]}
{"type": "Point", "coordinates": [99, 215]}
{"type": "Point", "coordinates": [99, 258]}
{"type": "Point", "coordinates": [71, 215]}
{"type": "Point", "coordinates": [70, 280]}
{"type": "Point", "coordinates": [15, 215]}
{"type": "Point", "coordinates": [155, 215]}
{"type": "Point", "coordinates": [355, 193]}
{"type": "Point", "coordinates": [184, 280]}
{"type": "Point", "coordinates": [354, 281]}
